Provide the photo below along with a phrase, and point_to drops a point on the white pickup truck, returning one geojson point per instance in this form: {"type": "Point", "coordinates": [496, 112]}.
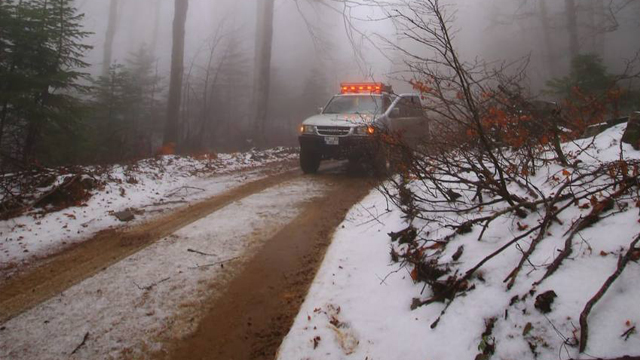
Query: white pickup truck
{"type": "Point", "coordinates": [346, 127]}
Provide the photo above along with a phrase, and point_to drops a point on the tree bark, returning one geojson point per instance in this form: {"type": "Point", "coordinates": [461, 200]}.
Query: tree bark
{"type": "Point", "coordinates": [156, 27]}
{"type": "Point", "coordinates": [548, 42]}
{"type": "Point", "coordinates": [572, 27]}
{"type": "Point", "coordinates": [171, 135]}
{"type": "Point", "coordinates": [110, 35]}
{"type": "Point", "coordinates": [262, 70]}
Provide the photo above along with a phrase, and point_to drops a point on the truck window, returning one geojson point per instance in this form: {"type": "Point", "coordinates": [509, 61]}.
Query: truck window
{"type": "Point", "coordinates": [355, 104]}
{"type": "Point", "coordinates": [409, 106]}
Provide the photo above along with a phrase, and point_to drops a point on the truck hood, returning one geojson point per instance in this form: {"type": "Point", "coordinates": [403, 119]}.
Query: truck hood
{"type": "Point", "coordinates": [349, 120]}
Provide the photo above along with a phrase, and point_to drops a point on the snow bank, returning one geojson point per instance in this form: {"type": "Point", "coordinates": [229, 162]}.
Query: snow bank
{"type": "Point", "coordinates": [149, 186]}
{"type": "Point", "coordinates": [358, 306]}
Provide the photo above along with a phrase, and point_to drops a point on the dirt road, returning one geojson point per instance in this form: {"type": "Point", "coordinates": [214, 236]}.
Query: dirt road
{"type": "Point", "coordinates": [65, 269]}
{"type": "Point", "coordinates": [259, 305]}
{"type": "Point", "coordinates": [255, 303]}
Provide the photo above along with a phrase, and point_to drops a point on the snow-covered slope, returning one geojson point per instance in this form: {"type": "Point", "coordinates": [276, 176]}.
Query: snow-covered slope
{"type": "Point", "coordinates": [359, 306]}
{"type": "Point", "coordinates": [148, 187]}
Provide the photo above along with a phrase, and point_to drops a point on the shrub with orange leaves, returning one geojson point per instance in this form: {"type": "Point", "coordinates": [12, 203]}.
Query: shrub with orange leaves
{"type": "Point", "coordinates": [167, 149]}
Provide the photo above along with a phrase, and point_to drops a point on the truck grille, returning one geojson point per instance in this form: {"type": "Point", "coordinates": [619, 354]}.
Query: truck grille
{"type": "Point", "coordinates": [333, 130]}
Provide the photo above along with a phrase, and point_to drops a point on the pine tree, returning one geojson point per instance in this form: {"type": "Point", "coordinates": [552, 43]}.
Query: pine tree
{"type": "Point", "coordinates": [42, 70]}
{"type": "Point", "coordinates": [124, 104]}
{"type": "Point", "coordinates": [111, 104]}
{"type": "Point", "coordinates": [142, 86]}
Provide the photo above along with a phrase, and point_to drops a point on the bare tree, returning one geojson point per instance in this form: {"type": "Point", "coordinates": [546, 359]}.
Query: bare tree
{"type": "Point", "coordinates": [550, 56]}
{"type": "Point", "coordinates": [171, 135]}
{"type": "Point", "coordinates": [110, 35]}
{"type": "Point", "coordinates": [156, 26]}
{"type": "Point", "coordinates": [262, 75]}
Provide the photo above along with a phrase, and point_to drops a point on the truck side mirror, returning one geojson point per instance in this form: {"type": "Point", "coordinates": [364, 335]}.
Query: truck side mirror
{"type": "Point", "coordinates": [394, 113]}
{"type": "Point", "coordinates": [320, 110]}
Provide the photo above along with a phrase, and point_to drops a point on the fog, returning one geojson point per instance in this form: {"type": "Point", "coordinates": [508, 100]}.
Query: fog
{"type": "Point", "coordinates": [316, 44]}
{"type": "Point", "coordinates": [312, 34]}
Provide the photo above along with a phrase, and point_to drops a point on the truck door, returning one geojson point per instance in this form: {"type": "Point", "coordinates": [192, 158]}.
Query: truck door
{"type": "Point", "coordinates": [407, 118]}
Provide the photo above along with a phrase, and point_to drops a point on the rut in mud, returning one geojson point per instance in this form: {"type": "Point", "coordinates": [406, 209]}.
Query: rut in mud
{"type": "Point", "coordinates": [259, 305]}
{"type": "Point", "coordinates": [61, 271]}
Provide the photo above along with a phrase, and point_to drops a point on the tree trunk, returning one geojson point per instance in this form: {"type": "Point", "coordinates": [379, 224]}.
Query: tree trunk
{"type": "Point", "coordinates": [548, 42]}
{"type": "Point", "coordinates": [262, 69]}
{"type": "Point", "coordinates": [572, 27]}
{"type": "Point", "coordinates": [156, 27]}
{"type": "Point", "coordinates": [601, 18]}
{"type": "Point", "coordinates": [171, 135]}
{"type": "Point", "coordinates": [110, 35]}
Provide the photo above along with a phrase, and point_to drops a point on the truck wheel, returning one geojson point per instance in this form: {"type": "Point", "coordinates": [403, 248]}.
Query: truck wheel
{"type": "Point", "coordinates": [384, 162]}
{"type": "Point", "coordinates": [309, 161]}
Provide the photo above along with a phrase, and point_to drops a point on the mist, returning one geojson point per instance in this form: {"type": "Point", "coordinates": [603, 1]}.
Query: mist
{"type": "Point", "coordinates": [227, 104]}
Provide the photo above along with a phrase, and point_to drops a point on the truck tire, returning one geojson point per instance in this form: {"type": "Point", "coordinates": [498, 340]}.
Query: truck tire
{"type": "Point", "coordinates": [382, 166]}
{"type": "Point", "coordinates": [385, 161]}
{"type": "Point", "coordinates": [309, 161]}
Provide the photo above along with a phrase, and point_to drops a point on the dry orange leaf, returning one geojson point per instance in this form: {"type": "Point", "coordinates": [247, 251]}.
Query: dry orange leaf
{"type": "Point", "coordinates": [414, 274]}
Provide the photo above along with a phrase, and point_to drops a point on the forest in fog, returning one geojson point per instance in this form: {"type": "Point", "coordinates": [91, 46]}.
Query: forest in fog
{"type": "Point", "coordinates": [104, 81]}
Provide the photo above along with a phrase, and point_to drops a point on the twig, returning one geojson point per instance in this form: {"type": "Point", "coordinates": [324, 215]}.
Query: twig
{"type": "Point", "coordinates": [593, 217]}
{"type": "Point", "coordinates": [630, 331]}
{"type": "Point", "coordinates": [149, 287]}
{"type": "Point", "coordinates": [216, 263]}
{"type": "Point", "coordinates": [165, 203]}
{"type": "Point", "coordinates": [84, 340]}
{"type": "Point", "coordinates": [181, 188]}
{"type": "Point", "coordinates": [622, 263]}
{"type": "Point", "coordinates": [200, 252]}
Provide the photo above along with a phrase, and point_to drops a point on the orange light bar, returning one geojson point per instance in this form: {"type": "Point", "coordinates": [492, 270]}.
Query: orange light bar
{"type": "Point", "coordinates": [363, 88]}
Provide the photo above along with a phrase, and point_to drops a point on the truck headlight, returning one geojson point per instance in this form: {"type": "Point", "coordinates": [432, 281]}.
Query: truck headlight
{"type": "Point", "coordinates": [365, 130]}
{"type": "Point", "coordinates": [307, 129]}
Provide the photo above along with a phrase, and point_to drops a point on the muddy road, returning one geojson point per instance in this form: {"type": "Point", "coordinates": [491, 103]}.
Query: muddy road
{"type": "Point", "coordinates": [276, 231]}
{"type": "Point", "coordinates": [260, 304]}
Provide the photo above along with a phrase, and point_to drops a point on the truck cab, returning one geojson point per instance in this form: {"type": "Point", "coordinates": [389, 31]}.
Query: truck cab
{"type": "Point", "coordinates": [347, 126]}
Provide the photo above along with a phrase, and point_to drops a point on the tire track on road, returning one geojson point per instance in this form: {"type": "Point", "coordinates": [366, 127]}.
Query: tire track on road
{"type": "Point", "coordinates": [60, 271]}
{"type": "Point", "coordinates": [250, 319]}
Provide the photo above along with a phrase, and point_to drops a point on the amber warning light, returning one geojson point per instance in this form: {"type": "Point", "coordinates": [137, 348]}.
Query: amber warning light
{"type": "Point", "coordinates": [359, 88]}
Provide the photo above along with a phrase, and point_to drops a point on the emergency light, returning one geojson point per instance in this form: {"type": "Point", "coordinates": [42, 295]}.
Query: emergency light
{"type": "Point", "coordinates": [363, 88]}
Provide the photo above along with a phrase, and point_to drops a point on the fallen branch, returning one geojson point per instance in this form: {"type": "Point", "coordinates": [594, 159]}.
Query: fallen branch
{"type": "Point", "coordinates": [215, 263]}
{"type": "Point", "coordinates": [183, 188]}
{"type": "Point", "coordinates": [594, 216]}
{"type": "Point", "coordinates": [165, 203]}
{"type": "Point", "coordinates": [630, 331]}
{"type": "Point", "coordinates": [200, 252]}
{"type": "Point", "coordinates": [84, 341]}
{"type": "Point", "coordinates": [622, 263]}
{"type": "Point", "coordinates": [149, 287]}
{"type": "Point", "coordinates": [64, 185]}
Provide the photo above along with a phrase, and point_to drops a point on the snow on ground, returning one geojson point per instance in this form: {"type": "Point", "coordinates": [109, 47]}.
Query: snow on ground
{"type": "Point", "coordinates": [149, 186]}
{"type": "Point", "coordinates": [158, 292]}
{"type": "Point", "coordinates": [358, 306]}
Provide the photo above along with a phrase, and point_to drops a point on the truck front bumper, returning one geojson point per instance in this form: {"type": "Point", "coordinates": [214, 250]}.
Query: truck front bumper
{"type": "Point", "coordinates": [348, 146]}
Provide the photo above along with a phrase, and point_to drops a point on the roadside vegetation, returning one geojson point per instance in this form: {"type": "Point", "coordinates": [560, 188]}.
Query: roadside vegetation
{"type": "Point", "coordinates": [507, 170]}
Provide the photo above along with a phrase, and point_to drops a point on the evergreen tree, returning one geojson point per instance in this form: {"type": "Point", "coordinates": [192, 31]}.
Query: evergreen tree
{"type": "Point", "coordinates": [111, 106]}
{"type": "Point", "coordinates": [589, 82]}
{"type": "Point", "coordinates": [41, 73]}
{"type": "Point", "coordinates": [125, 107]}
{"type": "Point", "coordinates": [142, 86]}
{"type": "Point", "coordinates": [588, 75]}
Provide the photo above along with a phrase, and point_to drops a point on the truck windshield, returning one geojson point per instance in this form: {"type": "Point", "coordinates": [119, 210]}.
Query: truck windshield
{"type": "Point", "coordinates": [352, 104]}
